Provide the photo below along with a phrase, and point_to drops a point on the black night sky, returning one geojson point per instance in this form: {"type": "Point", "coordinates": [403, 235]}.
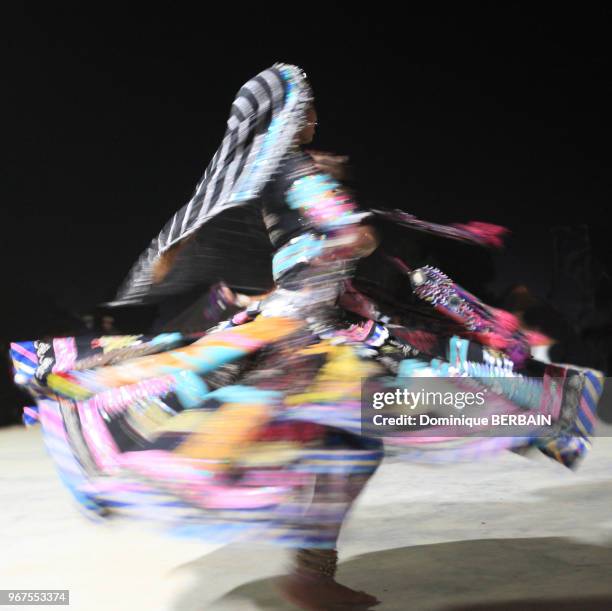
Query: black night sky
{"type": "Point", "coordinates": [494, 113]}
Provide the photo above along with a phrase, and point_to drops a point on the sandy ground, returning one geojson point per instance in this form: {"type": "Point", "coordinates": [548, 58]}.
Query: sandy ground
{"type": "Point", "coordinates": [510, 533]}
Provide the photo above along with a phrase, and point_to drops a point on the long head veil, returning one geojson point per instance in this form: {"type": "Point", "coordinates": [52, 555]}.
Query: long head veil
{"type": "Point", "coordinates": [266, 115]}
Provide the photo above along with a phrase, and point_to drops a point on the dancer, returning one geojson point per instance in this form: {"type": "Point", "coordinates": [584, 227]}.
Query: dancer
{"type": "Point", "coordinates": [253, 429]}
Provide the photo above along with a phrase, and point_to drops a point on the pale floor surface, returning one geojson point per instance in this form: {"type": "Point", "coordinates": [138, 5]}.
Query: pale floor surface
{"type": "Point", "coordinates": [421, 538]}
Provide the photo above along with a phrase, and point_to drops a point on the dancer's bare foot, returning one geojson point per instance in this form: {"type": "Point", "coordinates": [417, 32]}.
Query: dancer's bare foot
{"type": "Point", "coordinates": [314, 593]}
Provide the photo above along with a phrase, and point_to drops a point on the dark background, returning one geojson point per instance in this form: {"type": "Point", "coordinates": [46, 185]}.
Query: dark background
{"type": "Point", "coordinates": [494, 113]}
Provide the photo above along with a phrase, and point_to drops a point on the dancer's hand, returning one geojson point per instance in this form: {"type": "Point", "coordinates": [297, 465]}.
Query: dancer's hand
{"type": "Point", "coordinates": [350, 243]}
{"type": "Point", "coordinates": [334, 165]}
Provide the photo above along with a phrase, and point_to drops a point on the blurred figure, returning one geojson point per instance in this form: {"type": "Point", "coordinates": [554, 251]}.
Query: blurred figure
{"type": "Point", "coordinates": [88, 322]}
{"type": "Point", "coordinates": [551, 337]}
{"type": "Point", "coordinates": [253, 429]}
{"type": "Point", "coordinates": [107, 325]}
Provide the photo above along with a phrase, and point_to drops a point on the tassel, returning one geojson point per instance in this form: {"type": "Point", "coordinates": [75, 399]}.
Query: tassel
{"type": "Point", "coordinates": [505, 320]}
{"type": "Point", "coordinates": [486, 233]}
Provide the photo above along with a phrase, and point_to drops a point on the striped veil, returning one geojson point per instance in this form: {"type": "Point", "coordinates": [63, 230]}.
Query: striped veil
{"type": "Point", "coordinates": [268, 112]}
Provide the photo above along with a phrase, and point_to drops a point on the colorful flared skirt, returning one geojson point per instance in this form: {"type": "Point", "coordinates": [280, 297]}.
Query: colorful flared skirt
{"type": "Point", "coordinates": [257, 430]}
